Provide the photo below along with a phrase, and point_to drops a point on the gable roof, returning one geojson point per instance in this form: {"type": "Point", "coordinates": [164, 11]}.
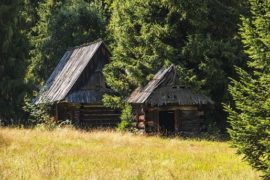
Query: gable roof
{"type": "Point", "coordinates": [161, 90]}
{"type": "Point", "coordinates": [67, 72]}
{"type": "Point", "coordinates": [140, 95]}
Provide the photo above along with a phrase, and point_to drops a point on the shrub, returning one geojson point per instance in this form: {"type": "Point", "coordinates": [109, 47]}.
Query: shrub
{"type": "Point", "coordinates": [38, 114]}
{"type": "Point", "coordinates": [126, 118]}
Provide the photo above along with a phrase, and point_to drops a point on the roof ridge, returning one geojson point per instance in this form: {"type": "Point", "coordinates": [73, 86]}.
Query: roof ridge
{"type": "Point", "coordinates": [85, 44]}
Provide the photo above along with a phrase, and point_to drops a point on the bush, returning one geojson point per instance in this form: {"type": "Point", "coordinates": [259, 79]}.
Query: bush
{"type": "Point", "coordinates": [126, 118]}
{"type": "Point", "coordinates": [38, 114]}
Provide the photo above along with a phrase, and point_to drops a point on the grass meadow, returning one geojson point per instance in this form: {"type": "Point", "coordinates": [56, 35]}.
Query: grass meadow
{"type": "Point", "coordinates": [72, 154]}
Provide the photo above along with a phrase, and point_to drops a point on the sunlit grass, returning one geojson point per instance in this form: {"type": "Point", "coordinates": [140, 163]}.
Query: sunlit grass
{"type": "Point", "coordinates": [73, 154]}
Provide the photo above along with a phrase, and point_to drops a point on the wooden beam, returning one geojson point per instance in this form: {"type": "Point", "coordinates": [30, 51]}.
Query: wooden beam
{"type": "Point", "coordinates": [177, 120]}
{"type": "Point", "coordinates": [56, 117]}
{"type": "Point", "coordinates": [173, 108]}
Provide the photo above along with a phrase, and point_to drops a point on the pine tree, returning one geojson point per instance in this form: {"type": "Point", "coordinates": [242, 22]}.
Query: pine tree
{"type": "Point", "coordinates": [250, 115]}
{"type": "Point", "coordinates": [13, 54]}
{"type": "Point", "coordinates": [139, 49]}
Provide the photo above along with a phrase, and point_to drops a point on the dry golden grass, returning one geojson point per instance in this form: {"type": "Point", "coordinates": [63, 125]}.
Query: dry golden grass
{"type": "Point", "coordinates": [72, 154]}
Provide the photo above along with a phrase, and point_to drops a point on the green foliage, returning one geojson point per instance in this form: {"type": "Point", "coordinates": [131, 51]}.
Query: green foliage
{"type": "Point", "coordinates": [38, 114]}
{"type": "Point", "coordinates": [61, 24]}
{"type": "Point", "coordinates": [249, 116]}
{"type": "Point", "coordinates": [256, 37]}
{"type": "Point", "coordinates": [189, 78]}
{"type": "Point", "coordinates": [126, 110]}
{"type": "Point", "coordinates": [113, 101]}
{"type": "Point", "coordinates": [200, 36]}
{"type": "Point", "coordinates": [13, 54]}
{"type": "Point", "coordinates": [139, 49]}
{"type": "Point", "coordinates": [213, 130]}
{"type": "Point", "coordinates": [213, 62]}
{"type": "Point", "coordinates": [250, 119]}
{"type": "Point", "coordinates": [126, 117]}
{"type": "Point", "coordinates": [30, 14]}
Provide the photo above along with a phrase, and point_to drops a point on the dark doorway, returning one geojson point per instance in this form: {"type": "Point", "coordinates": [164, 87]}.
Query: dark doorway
{"type": "Point", "coordinates": [166, 121]}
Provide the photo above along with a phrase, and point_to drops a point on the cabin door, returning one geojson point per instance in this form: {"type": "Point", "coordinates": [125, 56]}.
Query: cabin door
{"type": "Point", "coordinates": [166, 121]}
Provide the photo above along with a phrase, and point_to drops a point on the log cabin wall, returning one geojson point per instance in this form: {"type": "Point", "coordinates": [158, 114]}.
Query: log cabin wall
{"type": "Point", "coordinates": [152, 120]}
{"type": "Point", "coordinates": [190, 121]}
{"type": "Point", "coordinates": [186, 118]}
{"type": "Point", "coordinates": [98, 116]}
{"type": "Point", "coordinates": [87, 116]}
{"type": "Point", "coordinates": [64, 112]}
{"type": "Point", "coordinates": [139, 116]}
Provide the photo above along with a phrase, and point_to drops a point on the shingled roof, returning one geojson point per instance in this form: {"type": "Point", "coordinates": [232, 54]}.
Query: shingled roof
{"type": "Point", "coordinates": [67, 72]}
{"type": "Point", "coordinates": [141, 94]}
{"type": "Point", "coordinates": [162, 90]}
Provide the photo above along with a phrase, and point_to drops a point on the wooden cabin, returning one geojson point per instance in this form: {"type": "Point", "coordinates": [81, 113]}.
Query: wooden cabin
{"type": "Point", "coordinates": [164, 105]}
{"type": "Point", "coordinates": [76, 87]}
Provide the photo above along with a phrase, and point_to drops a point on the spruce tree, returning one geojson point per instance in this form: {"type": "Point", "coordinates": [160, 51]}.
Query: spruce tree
{"type": "Point", "coordinates": [13, 54]}
{"type": "Point", "coordinates": [250, 115]}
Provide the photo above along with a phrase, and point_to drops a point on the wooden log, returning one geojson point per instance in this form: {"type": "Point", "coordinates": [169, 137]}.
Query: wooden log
{"type": "Point", "coordinates": [173, 108]}
{"type": "Point", "coordinates": [177, 120]}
